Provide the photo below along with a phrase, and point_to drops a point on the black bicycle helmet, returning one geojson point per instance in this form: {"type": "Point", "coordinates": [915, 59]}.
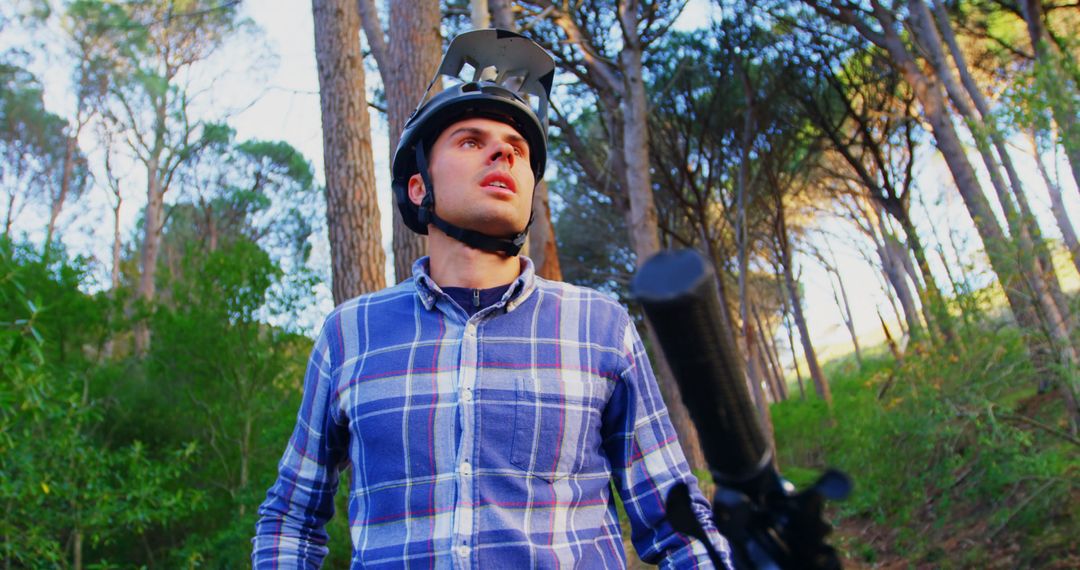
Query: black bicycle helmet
{"type": "Point", "coordinates": [488, 73]}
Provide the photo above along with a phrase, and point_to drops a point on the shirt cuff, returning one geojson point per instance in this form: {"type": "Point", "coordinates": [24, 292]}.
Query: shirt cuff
{"type": "Point", "coordinates": [694, 555]}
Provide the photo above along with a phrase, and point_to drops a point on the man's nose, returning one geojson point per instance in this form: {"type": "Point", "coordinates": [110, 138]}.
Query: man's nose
{"type": "Point", "coordinates": [503, 149]}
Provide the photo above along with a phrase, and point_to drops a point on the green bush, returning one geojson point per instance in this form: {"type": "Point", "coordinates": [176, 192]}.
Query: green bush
{"type": "Point", "coordinates": [951, 450]}
{"type": "Point", "coordinates": [66, 488]}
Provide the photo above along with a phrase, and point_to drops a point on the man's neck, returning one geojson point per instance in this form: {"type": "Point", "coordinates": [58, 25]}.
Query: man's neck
{"type": "Point", "coordinates": [454, 264]}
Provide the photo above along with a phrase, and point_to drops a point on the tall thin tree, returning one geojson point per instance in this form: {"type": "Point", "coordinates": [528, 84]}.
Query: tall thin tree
{"type": "Point", "coordinates": [406, 51]}
{"type": "Point", "coordinates": [352, 211]}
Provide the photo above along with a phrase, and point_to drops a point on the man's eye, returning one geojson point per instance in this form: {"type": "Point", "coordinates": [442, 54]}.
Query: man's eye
{"type": "Point", "coordinates": [519, 151]}
{"type": "Point", "coordinates": [471, 143]}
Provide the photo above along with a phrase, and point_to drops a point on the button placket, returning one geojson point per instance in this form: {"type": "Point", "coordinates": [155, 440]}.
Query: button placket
{"type": "Point", "coordinates": [463, 512]}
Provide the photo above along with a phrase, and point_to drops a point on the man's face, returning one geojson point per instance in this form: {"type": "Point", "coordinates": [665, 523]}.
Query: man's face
{"type": "Point", "coordinates": [482, 176]}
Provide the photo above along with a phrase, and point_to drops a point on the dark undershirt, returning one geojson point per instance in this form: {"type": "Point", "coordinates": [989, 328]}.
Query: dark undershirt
{"type": "Point", "coordinates": [472, 300]}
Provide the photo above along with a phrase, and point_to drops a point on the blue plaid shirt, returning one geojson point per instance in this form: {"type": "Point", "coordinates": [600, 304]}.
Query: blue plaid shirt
{"type": "Point", "coordinates": [488, 441]}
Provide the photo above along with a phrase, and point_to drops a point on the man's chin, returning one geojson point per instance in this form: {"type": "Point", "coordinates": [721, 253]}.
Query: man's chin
{"type": "Point", "coordinates": [496, 226]}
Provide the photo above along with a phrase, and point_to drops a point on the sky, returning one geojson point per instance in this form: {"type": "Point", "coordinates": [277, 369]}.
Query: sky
{"type": "Point", "coordinates": [268, 87]}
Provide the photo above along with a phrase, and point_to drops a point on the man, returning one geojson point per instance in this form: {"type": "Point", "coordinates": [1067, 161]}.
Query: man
{"type": "Point", "coordinates": [485, 412]}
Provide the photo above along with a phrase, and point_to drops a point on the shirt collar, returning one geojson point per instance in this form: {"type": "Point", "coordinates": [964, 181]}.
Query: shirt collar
{"type": "Point", "coordinates": [429, 291]}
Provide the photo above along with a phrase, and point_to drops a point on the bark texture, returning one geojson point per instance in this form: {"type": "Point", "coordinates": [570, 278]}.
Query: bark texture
{"type": "Point", "coordinates": [894, 274]}
{"type": "Point", "coordinates": [543, 248]}
{"type": "Point", "coordinates": [1057, 206]}
{"type": "Point", "coordinates": [352, 212]}
{"type": "Point", "coordinates": [478, 14]}
{"type": "Point", "coordinates": [153, 221]}
{"type": "Point", "coordinates": [407, 56]}
{"type": "Point", "coordinates": [1049, 58]}
{"type": "Point", "coordinates": [502, 14]}
{"type": "Point", "coordinates": [821, 385]}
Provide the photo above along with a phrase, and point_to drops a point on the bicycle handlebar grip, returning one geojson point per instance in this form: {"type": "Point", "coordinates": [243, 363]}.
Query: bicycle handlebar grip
{"type": "Point", "coordinates": [679, 293]}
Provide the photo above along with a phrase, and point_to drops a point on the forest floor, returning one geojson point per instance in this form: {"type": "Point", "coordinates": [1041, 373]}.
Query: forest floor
{"type": "Point", "coordinates": [999, 489]}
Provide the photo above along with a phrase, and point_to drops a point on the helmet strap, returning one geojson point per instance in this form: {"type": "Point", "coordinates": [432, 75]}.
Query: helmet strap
{"type": "Point", "coordinates": [426, 215]}
{"type": "Point", "coordinates": [427, 204]}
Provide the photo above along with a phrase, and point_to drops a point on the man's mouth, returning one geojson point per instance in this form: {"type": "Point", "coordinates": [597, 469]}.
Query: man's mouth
{"type": "Point", "coordinates": [499, 180]}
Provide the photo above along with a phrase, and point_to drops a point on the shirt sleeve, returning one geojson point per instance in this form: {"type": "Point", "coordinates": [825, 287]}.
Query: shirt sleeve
{"type": "Point", "coordinates": [647, 461]}
{"type": "Point", "coordinates": [290, 531]}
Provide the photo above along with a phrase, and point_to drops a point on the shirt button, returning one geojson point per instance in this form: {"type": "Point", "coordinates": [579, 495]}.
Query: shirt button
{"type": "Point", "coordinates": [466, 469]}
{"type": "Point", "coordinates": [463, 550]}
{"type": "Point", "coordinates": [466, 395]}
{"type": "Point", "coordinates": [470, 330]}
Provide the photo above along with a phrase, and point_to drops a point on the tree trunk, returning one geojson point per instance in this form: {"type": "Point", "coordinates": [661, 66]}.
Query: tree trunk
{"type": "Point", "coordinates": [478, 14]}
{"type": "Point", "coordinates": [245, 461]}
{"type": "Point", "coordinates": [893, 348]}
{"type": "Point", "coordinates": [928, 92]}
{"type": "Point", "coordinates": [934, 312]}
{"type": "Point", "coordinates": [768, 378]}
{"type": "Point", "coordinates": [114, 276]}
{"type": "Point", "coordinates": [643, 228]}
{"type": "Point", "coordinates": [996, 137]}
{"type": "Point", "coordinates": [754, 374]}
{"type": "Point", "coordinates": [890, 294]}
{"type": "Point", "coordinates": [938, 313]}
{"type": "Point", "coordinates": [952, 150]}
{"type": "Point", "coordinates": [65, 187]}
{"type": "Point", "coordinates": [502, 14]}
{"type": "Point", "coordinates": [9, 217]}
{"type": "Point", "coordinates": [891, 269]}
{"type": "Point", "coordinates": [1034, 259]}
{"type": "Point", "coordinates": [415, 48]}
{"type": "Point", "coordinates": [152, 225]}
{"type": "Point", "coordinates": [820, 384]}
{"type": "Point", "coordinates": [741, 235]}
{"type": "Point", "coordinates": [725, 314]}
{"type": "Point", "coordinates": [635, 148]}
{"type": "Point", "coordinates": [1049, 59]}
{"type": "Point", "coordinates": [77, 550]}
{"type": "Point", "coordinates": [1057, 206]}
{"type": "Point", "coordinates": [542, 246]}
{"type": "Point", "coordinates": [791, 343]}
{"type": "Point", "coordinates": [407, 61]}
{"type": "Point", "coordinates": [776, 375]}
{"type": "Point", "coordinates": [842, 303]}
{"type": "Point", "coordinates": [774, 355]}
{"type": "Point", "coordinates": [754, 371]}
{"type": "Point", "coordinates": [352, 211]}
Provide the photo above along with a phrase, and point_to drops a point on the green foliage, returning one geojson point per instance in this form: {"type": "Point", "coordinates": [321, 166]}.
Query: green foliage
{"type": "Point", "coordinates": [230, 382]}
{"type": "Point", "coordinates": [948, 454]}
{"type": "Point", "coordinates": [147, 460]}
{"type": "Point", "coordinates": [260, 191]}
{"type": "Point", "coordinates": [61, 477]}
{"type": "Point", "coordinates": [165, 458]}
{"type": "Point", "coordinates": [32, 142]}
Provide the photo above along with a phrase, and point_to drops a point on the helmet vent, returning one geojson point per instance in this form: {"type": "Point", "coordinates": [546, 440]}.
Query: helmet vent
{"type": "Point", "coordinates": [470, 87]}
{"type": "Point", "coordinates": [468, 70]}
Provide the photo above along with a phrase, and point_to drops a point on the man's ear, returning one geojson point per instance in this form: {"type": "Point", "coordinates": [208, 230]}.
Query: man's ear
{"type": "Point", "coordinates": [417, 191]}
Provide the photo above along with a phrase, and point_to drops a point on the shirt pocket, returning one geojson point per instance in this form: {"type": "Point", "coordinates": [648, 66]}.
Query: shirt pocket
{"type": "Point", "coordinates": [552, 424]}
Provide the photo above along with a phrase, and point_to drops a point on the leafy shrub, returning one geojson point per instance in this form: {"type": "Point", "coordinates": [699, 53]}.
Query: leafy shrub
{"type": "Point", "coordinates": [949, 452]}
{"type": "Point", "coordinates": [65, 487]}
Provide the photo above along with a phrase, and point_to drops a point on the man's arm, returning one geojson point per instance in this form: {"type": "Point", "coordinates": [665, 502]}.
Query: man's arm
{"type": "Point", "coordinates": [647, 460]}
{"type": "Point", "coordinates": [290, 532]}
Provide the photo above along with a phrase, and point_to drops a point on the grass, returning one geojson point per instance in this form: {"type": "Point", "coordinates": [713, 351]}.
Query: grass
{"type": "Point", "coordinates": [960, 463]}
